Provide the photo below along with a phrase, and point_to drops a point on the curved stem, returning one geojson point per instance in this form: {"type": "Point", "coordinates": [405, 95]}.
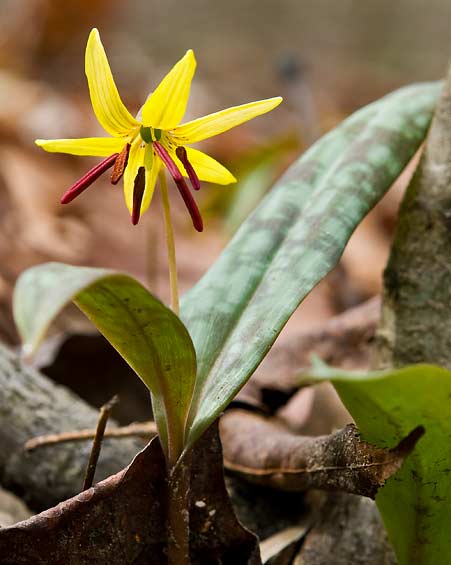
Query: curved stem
{"type": "Point", "coordinates": [170, 243]}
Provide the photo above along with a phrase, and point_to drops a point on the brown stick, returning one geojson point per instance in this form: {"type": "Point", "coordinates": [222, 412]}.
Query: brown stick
{"type": "Point", "coordinates": [145, 430]}
{"type": "Point", "coordinates": [105, 412]}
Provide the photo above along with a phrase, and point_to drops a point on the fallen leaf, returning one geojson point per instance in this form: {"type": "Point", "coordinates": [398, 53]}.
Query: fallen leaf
{"type": "Point", "coordinates": [263, 451]}
{"type": "Point", "coordinates": [122, 519]}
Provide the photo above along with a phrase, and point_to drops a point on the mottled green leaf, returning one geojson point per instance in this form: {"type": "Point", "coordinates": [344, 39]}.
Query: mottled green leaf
{"type": "Point", "coordinates": [292, 240]}
{"type": "Point", "coordinates": [415, 503]}
{"type": "Point", "coordinates": [149, 336]}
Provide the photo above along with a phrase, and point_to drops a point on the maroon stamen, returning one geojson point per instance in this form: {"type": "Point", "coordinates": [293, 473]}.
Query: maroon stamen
{"type": "Point", "coordinates": [87, 179]}
{"type": "Point", "coordinates": [138, 193]}
{"type": "Point", "coordinates": [120, 164]}
{"type": "Point", "coordinates": [183, 156]}
{"type": "Point", "coordinates": [185, 192]}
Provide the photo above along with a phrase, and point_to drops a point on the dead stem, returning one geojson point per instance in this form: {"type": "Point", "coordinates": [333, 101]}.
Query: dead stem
{"type": "Point", "coordinates": [145, 430]}
{"type": "Point", "coordinates": [105, 413]}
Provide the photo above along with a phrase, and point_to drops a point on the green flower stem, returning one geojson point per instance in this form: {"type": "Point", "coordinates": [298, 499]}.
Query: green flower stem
{"type": "Point", "coordinates": [170, 244]}
{"type": "Point", "coordinates": [178, 469]}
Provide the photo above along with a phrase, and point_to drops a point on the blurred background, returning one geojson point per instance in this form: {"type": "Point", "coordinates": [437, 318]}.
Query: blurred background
{"type": "Point", "coordinates": [326, 59]}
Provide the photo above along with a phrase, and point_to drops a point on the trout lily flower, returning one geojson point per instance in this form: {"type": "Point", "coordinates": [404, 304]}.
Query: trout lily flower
{"type": "Point", "coordinates": [139, 148]}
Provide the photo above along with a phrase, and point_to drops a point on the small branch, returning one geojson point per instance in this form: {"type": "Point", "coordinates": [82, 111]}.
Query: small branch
{"type": "Point", "coordinates": [105, 413]}
{"type": "Point", "coordinates": [145, 430]}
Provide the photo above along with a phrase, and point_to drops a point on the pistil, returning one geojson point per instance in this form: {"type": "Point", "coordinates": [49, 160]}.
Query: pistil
{"type": "Point", "coordinates": [183, 156]}
{"type": "Point", "coordinates": [185, 192]}
{"type": "Point", "coordinates": [87, 179]}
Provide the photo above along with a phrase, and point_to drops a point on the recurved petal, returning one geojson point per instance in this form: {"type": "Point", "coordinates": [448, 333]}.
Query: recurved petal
{"type": "Point", "coordinates": [93, 146]}
{"type": "Point", "coordinates": [207, 168]}
{"type": "Point", "coordinates": [106, 102]}
{"type": "Point", "coordinates": [217, 123]}
{"type": "Point", "coordinates": [135, 161]}
{"type": "Point", "coordinates": [166, 106]}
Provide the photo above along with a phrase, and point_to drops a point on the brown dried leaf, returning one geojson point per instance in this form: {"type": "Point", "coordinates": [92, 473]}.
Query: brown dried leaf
{"type": "Point", "coordinates": [122, 519]}
{"type": "Point", "coordinates": [36, 222]}
{"type": "Point", "coordinates": [263, 451]}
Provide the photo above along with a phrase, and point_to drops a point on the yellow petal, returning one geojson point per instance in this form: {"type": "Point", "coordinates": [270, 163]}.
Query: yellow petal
{"type": "Point", "coordinates": [217, 123]}
{"type": "Point", "coordinates": [166, 106]}
{"type": "Point", "coordinates": [207, 169]}
{"type": "Point", "coordinates": [135, 160]}
{"type": "Point", "coordinates": [151, 179]}
{"type": "Point", "coordinates": [94, 146]}
{"type": "Point", "coordinates": [106, 102]}
{"type": "Point", "coordinates": [139, 157]}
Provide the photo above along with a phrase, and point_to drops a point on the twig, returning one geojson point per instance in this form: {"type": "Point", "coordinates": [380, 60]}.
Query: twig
{"type": "Point", "coordinates": [141, 429]}
{"type": "Point", "coordinates": [105, 413]}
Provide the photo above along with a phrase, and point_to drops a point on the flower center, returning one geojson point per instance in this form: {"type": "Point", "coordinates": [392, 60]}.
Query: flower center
{"type": "Point", "coordinates": [151, 136]}
{"type": "Point", "coordinates": [148, 134]}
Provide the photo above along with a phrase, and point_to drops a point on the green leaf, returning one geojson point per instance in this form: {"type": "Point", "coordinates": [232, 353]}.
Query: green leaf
{"type": "Point", "coordinates": [148, 335]}
{"type": "Point", "coordinates": [292, 240]}
{"type": "Point", "coordinates": [415, 503]}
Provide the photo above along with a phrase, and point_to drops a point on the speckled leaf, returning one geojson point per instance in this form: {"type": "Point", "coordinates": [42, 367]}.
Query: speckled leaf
{"type": "Point", "coordinates": [416, 502]}
{"type": "Point", "coordinates": [292, 240]}
{"type": "Point", "coordinates": [149, 336]}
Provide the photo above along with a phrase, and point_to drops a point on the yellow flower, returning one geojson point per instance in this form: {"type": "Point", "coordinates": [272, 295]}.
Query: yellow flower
{"type": "Point", "coordinates": [141, 146]}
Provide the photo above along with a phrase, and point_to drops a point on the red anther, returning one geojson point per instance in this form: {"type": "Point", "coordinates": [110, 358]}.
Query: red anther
{"type": "Point", "coordinates": [87, 179]}
{"type": "Point", "coordinates": [120, 164]}
{"type": "Point", "coordinates": [183, 156]}
{"type": "Point", "coordinates": [185, 192]}
{"type": "Point", "coordinates": [138, 193]}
